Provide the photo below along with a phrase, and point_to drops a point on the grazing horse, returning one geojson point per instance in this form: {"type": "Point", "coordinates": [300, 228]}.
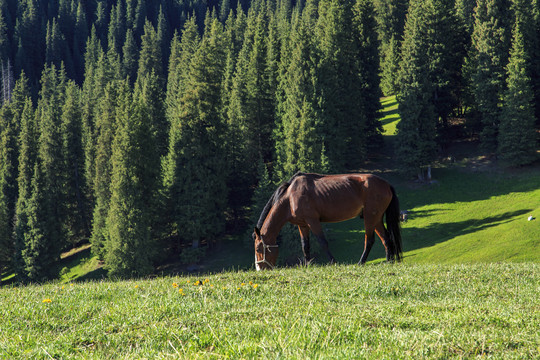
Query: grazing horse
{"type": "Point", "coordinates": [306, 200]}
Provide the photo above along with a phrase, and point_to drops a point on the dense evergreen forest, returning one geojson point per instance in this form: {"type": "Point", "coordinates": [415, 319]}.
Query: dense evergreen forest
{"type": "Point", "coordinates": [149, 127]}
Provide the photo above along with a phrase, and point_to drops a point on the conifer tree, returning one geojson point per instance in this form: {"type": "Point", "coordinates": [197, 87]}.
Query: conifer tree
{"type": "Point", "coordinates": [105, 132]}
{"type": "Point", "coordinates": [79, 41]}
{"type": "Point", "coordinates": [250, 113]}
{"type": "Point", "coordinates": [135, 169]}
{"type": "Point", "coordinates": [50, 158]}
{"type": "Point", "coordinates": [7, 173]}
{"type": "Point", "coordinates": [366, 83]}
{"type": "Point", "coordinates": [150, 54]}
{"type": "Point", "coordinates": [516, 140]}
{"type": "Point", "coordinates": [390, 15]}
{"type": "Point", "coordinates": [130, 57]}
{"type": "Point", "coordinates": [489, 56]}
{"type": "Point", "coordinates": [76, 207]}
{"type": "Point", "coordinates": [343, 105]}
{"type": "Point", "coordinates": [26, 162]}
{"type": "Point", "coordinates": [41, 239]}
{"type": "Point", "coordinates": [446, 52]}
{"type": "Point", "coordinates": [194, 169]}
{"type": "Point", "coordinates": [181, 55]}
{"type": "Point", "coordinates": [416, 131]}
{"type": "Point", "coordinates": [298, 145]}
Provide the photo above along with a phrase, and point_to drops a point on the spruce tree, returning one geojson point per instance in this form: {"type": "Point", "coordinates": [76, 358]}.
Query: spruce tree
{"type": "Point", "coordinates": [7, 186]}
{"type": "Point", "coordinates": [75, 204]}
{"type": "Point", "coordinates": [135, 164]}
{"type": "Point", "coordinates": [366, 83]}
{"type": "Point", "coordinates": [298, 144]}
{"type": "Point", "coordinates": [250, 111]}
{"type": "Point", "coordinates": [130, 57]}
{"type": "Point", "coordinates": [489, 56]}
{"type": "Point", "coordinates": [26, 161]}
{"type": "Point", "coordinates": [347, 57]}
{"type": "Point", "coordinates": [41, 239]}
{"type": "Point", "coordinates": [181, 55]}
{"type": "Point", "coordinates": [446, 52]}
{"type": "Point", "coordinates": [516, 139]}
{"type": "Point", "coordinates": [31, 48]}
{"type": "Point", "coordinates": [194, 169]}
{"type": "Point", "coordinates": [150, 57]}
{"type": "Point", "coordinates": [105, 128]}
{"type": "Point", "coordinates": [390, 16]}
{"type": "Point", "coordinates": [51, 159]}
{"type": "Point", "coordinates": [416, 145]}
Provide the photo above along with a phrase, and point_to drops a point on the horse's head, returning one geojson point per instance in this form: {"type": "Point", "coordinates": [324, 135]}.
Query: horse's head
{"type": "Point", "coordinates": [265, 255]}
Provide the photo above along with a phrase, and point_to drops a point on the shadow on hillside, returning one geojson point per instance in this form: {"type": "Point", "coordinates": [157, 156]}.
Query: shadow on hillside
{"type": "Point", "coordinates": [457, 185]}
{"type": "Point", "coordinates": [347, 240]}
{"type": "Point", "coordinates": [440, 232]}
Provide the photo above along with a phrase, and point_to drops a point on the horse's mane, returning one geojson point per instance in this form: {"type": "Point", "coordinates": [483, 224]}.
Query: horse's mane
{"type": "Point", "coordinates": [275, 198]}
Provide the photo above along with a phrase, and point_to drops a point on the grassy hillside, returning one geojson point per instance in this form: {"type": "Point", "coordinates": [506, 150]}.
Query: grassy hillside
{"type": "Point", "coordinates": [473, 211]}
{"type": "Point", "coordinates": [377, 311]}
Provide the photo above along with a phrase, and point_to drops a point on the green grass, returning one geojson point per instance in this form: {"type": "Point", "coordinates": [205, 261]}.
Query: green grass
{"type": "Point", "coordinates": [468, 287]}
{"type": "Point", "coordinates": [375, 311]}
{"type": "Point", "coordinates": [463, 217]}
{"type": "Point", "coordinates": [389, 115]}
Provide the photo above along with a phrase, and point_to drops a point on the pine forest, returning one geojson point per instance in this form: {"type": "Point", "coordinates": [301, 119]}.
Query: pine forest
{"type": "Point", "coordinates": [153, 129]}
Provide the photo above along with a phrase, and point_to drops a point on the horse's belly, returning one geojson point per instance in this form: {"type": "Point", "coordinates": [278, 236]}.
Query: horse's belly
{"type": "Point", "coordinates": [342, 213]}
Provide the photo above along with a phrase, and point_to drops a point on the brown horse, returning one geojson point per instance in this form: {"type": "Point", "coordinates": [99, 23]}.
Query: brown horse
{"type": "Point", "coordinates": [309, 199]}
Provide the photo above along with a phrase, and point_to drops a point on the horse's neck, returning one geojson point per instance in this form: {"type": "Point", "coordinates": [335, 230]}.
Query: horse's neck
{"type": "Point", "coordinates": [276, 219]}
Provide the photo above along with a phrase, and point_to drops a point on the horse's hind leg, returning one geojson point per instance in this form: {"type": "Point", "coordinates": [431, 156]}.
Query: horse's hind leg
{"type": "Point", "coordinates": [304, 237]}
{"type": "Point", "coordinates": [368, 244]}
{"type": "Point", "coordinates": [317, 230]}
{"type": "Point", "coordinates": [383, 235]}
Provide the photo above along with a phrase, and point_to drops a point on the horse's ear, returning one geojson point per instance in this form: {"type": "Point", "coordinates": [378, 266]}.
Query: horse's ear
{"type": "Point", "coordinates": [257, 231]}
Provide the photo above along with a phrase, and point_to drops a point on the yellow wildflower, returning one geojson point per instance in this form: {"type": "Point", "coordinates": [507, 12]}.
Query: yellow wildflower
{"type": "Point", "coordinates": [251, 283]}
{"type": "Point", "coordinates": [47, 301]}
{"type": "Point", "coordinates": [174, 285]}
{"type": "Point", "coordinates": [136, 286]}
{"type": "Point", "coordinates": [255, 286]}
{"type": "Point", "coordinates": [243, 284]}
{"type": "Point", "coordinates": [197, 283]}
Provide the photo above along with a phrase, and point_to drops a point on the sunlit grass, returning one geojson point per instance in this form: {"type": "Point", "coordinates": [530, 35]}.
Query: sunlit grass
{"type": "Point", "coordinates": [389, 115]}
{"type": "Point", "coordinates": [375, 311]}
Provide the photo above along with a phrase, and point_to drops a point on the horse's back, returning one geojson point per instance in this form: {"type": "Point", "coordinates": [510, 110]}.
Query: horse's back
{"type": "Point", "coordinates": [332, 198]}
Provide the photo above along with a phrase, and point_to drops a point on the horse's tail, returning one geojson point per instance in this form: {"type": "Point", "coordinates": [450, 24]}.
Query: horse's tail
{"type": "Point", "coordinates": [393, 225]}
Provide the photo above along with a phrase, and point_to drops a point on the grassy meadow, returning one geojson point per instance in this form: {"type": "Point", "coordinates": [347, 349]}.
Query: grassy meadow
{"type": "Point", "coordinates": [469, 287]}
{"type": "Point", "coordinates": [340, 311]}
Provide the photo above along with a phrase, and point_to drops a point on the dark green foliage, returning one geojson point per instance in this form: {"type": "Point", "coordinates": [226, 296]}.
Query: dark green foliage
{"type": "Point", "coordinates": [42, 243]}
{"type": "Point", "coordinates": [298, 146]}
{"type": "Point", "coordinates": [194, 170]}
{"type": "Point", "coordinates": [489, 56]}
{"type": "Point", "coordinates": [76, 207]}
{"type": "Point", "coordinates": [516, 140]}
{"type": "Point", "coordinates": [135, 167]}
{"type": "Point", "coordinates": [416, 131]}
{"type": "Point", "coordinates": [105, 129]}
{"type": "Point", "coordinates": [390, 16]}
{"type": "Point", "coordinates": [150, 57]}
{"type": "Point", "coordinates": [243, 93]}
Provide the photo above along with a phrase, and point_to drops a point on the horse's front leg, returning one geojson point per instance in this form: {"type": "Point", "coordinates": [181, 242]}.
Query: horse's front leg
{"type": "Point", "coordinates": [317, 230]}
{"type": "Point", "coordinates": [304, 237]}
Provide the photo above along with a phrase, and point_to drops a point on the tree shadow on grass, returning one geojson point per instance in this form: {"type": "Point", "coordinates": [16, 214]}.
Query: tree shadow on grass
{"type": "Point", "coordinates": [453, 185]}
{"type": "Point", "coordinates": [347, 239]}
